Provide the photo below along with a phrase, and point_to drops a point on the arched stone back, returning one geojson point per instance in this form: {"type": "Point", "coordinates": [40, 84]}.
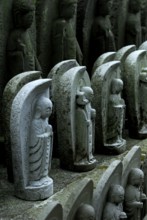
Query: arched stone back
{"type": "Point", "coordinates": [104, 58]}
{"type": "Point", "coordinates": [24, 108]}
{"type": "Point", "coordinates": [121, 56]}
{"type": "Point", "coordinates": [102, 85]}
{"type": "Point", "coordinates": [81, 193]}
{"type": "Point", "coordinates": [143, 46]}
{"type": "Point", "coordinates": [111, 176]}
{"type": "Point", "coordinates": [10, 91]}
{"type": "Point", "coordinates": [55, 74]}
{"type": "Point", "coordinates": [135, 90]}
{"type": "Point", "coordinates": [131, 160]}
{"type": "Point", "coordinates": [70, 85]}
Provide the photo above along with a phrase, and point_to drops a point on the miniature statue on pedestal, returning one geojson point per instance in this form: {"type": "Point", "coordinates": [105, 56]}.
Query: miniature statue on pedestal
{"type": "Point", "coordinates": [32, 138]}
{"type": "Point", "coordinates": [115, 120]}
{"type": "Point", "coordinates": [114, 209]}
{"type": "Point", "coordinates": [85, 126]}
{"type": "Point", "coordinates": [65, 45]}
{"type": "Point", "coordinates": [20, 52]}
{"type": "Point", "coordinates": [134, 195]}
{"type": "Point", "coordinates": [41, 139]}
{"type": "Point", "coordinates": [85, 212]}
{"type": "Point", "coordinates": [76, 129]}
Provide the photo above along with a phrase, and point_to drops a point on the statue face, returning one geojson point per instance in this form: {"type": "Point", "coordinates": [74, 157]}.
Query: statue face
{"type": "Point", "coordinates": [119, 197]}
{"type": "Point", "coordinates": [68, 10]}
{"type": "Point", "coordinates": [27, 19]}
{"type": "Point", "coordinates": [135, 5]}
{"type": "Point", "coordinates": [85, 212]}
{"type": "Point", "coordinates": [139, 180]}
{"type": "Point", "coordinates": [46, 110]}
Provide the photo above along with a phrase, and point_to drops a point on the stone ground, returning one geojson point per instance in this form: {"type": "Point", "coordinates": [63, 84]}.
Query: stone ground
{"type": "Point", "coordinates": [14, 208]}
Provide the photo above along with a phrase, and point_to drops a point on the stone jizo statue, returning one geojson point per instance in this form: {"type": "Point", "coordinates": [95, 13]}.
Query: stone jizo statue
{"type": "Point", "coordinates": [133, 23]}
{"type": "Point", "coordinates": [85, 126]}
{"type": "Point", "coordinates": [113, 209]}
{"type": "Point", "coordinates": [116, 110]}
{"type": "Point", "coordinates": [41, 139]}
{"type": "Point", "coordinates": [85, 212]}
{"type": "Point", "coordinates": [20, 50]}
{"type": "Point", "coordinates": [102, 34]}
{"type": "Point", "coordinates": [134, 195]}
{"type": "Point", "coordinates": [65, 45]}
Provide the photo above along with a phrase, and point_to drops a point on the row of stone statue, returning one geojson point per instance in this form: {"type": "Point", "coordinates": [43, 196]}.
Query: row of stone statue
{"type": "Point", "coordinates": [79, 130]}
{"type": "Point", "coordinates": [20, 50]}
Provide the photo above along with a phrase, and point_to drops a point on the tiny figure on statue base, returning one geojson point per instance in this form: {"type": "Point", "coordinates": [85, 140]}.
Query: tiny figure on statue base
{"type": "Point", "coordinates": [40, 149]}
{"type": "Point", "coordinates": [134, 195]}
{"type": "Point", "coordinates": [115, 119]}
{"type": "Point", "coordinates": [85, 125]}
{"type": "Point", "coordinates": [114, 209]}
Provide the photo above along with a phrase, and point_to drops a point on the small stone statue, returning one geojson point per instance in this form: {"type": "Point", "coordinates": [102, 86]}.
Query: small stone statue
{"type": "Point", "coordinates": [114, 209]}
{"type": "Point", "coordinates": [115, 119]}
{"type": "Point", "coordinates": [144, 19]}
{"type": "Point", "coordinates": [85, 126]}
{"type": "Point", "coordinates": [134, 195]}
{"type": "Point", "coordinates": [41, 139]}
{"type": "Point", "coordinates": [133, 23]}
{"type": "Point", "coordinates": [20, 51]}
{"type": "Point", "coordinates": [102, 34]}
{"type": "Point", "coordinates": [85, 212]}
{"type": "Point", "coordinates": [65, 45]}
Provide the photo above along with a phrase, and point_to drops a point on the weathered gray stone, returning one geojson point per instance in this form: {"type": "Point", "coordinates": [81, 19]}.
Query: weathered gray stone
{"type": "Point", "coordinates": [134, 196]}
{"type": "Point", "coordinates": [122, 54]}
{"type": "Point", "coordinates": [111, 176]}
{"type": "Point", "coordinates": [104, 58]}
{"type": "Point", "coordinates": [55, 74]}
{"type": "Point", "coordinates": [31, 108]}
{"type": "Point", "coordinates": [114, 205]}
{"type": "Point", "coordinates": [109, 105]}
{"type": "Point", "coordinates": [75, 124]}
{"type": "Point", "coordinates": [135, 90]}
{"type": "Point", "coordinates": [81, 195]}
{"type": "Point", "coordinates": [131, 160]}
{"type": "Point", "coordinates": [10, 91]}
{"type": "Point", "coordinates": [143, 46]}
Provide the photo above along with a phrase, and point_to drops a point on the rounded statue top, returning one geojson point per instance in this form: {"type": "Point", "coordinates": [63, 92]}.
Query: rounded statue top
{"type": "Point", "coordinates": [23, 6]}
{"type": "Point", "coordinates": [136, 177]}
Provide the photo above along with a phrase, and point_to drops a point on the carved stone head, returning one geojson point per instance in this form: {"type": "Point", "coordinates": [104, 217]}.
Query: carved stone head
{"type": "Point", "coordinates": [104, 7]}
{"type": "Point", "coordinates": [85, 212]}
{"type": "Point", "coordinates": [23, 13]}
{"type": "Point", "coordinates": [67, 8]}
{"type": "Point", "coordinates": [116, 86]}
{"type": "Point", "coordinates": [136, 177]}
{"type": "Point", "coordinates": [88, 92]}
{"type": "Point", "coordinates": [135, 6]}
{"type": "Point", "coordinates": [43, 108]}
{"type": "Point", "coordinates": [116, 194]}
{"type": "Point", "coordinates": [143, 75]}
